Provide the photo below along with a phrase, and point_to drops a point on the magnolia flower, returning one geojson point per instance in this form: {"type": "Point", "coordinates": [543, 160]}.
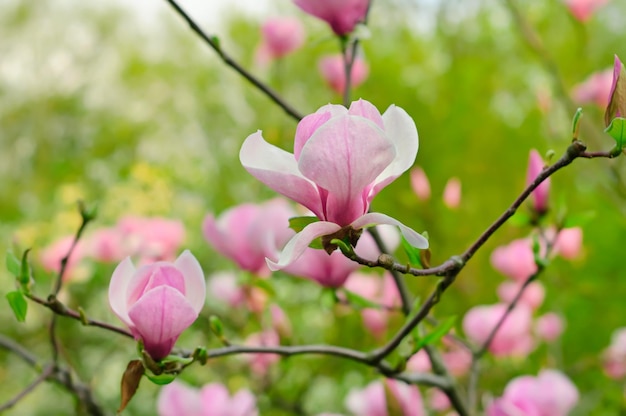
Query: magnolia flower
{"type": "Point", "coordinates": [341, 15]}
{"type": "Point", "coordinates": [179, 399]}
{"type": "Point", "coordinates": [541, 193]}
{"type": "Point", "coordinates": [614, 357]}
{"type": "Point", "coordinates": [617, 96]}
{"type": "Point", "coordinates": [583, 9]}
{"type": "Point", "coordinates": [372, 400]}
{"type": "Point", "coordinates": [420, 183]}
{"type": "Point", "coordinates": [260, 363]}
{"type": "Point", "coordinates": [549, 326]}
{"type": "Point", "coordinates": [512, 338]}
{"type": "Point", "coordinates": [532, 296]}
{"type": "Point", "coordinates": [158, 301]}
{"type": "Point", "coordinates": [342, 158]}
{"type": "Point", "coordinates": [515, 260]}
{"type": "Point", "coordinates": [151, 238]}
{"type": "Point", "coordinates": [596, 88]}
{"type": "Point", "coordinates": [551, 393]}
{"type": "Point", "coordinates": [333, 71]}
{"type": "Point", "coordinates": [280, 37]}
{"type": "Point", "coordinates": [452, 193]}
{"type": "Point", "coordinates": [52, 256]}
{"type": "Point", "coordinates": [249, 233]}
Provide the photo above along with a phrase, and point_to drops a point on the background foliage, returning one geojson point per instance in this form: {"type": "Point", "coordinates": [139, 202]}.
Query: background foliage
{"type": "Point", "coordinates": [146, 120]}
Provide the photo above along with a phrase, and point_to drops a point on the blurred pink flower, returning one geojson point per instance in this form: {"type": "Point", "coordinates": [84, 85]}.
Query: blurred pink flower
{"type": "Point", "coordinates": [342, 158]}
{"type": "Point", "coordinates": [249, 233]}
{"type": "Point", "coordinates": [456, 358]}
{"type": "Point", "coordinates": [582, 10]}
{"type": "Point", "coordinates": [280, 321]}
{"type": "Point", "coordinates": [378, 289]}
{"type": "Point", "coordinates": [107, 245]}
{"type": "Point", "coordinates": [569, 243]}
{"type": "Point", "coordinates": [341, 15]}
{"type": "Point", "coordinates": [420, 184]}
{"type": "Point", "coordinates": [541, 193]}
{"type": "Point", "coordinates": [179, 399]}
{"type": "Point", "coordinates": [333, 72]}
{"type": "Point", "coordinates": [513, 337]}
{"type": "Point", "coordinates": [437, 400]}
{"type": "Point", "coordinates": [551, 393]}
{"type": "Point", "coordinates": [549, 326]}
{"type": "Point", "coordinates": [614, 357]}
{"type": "Point", "coordinates": [280, 37]}
{"type": "Point", "coordinates": [371, 400]}
{"type": "Point", "coordinates": [52, 255]}
{"type": "Point", "coordinates": [515, 260]}
{"type": "Point", "coordinates": [223, 287]}
{"type": "Point", "coordinates": [452, 193]}
{"type": "Point", "coordinates": [596, 88]}
{"type": "Point", "coordinates": [151, 239]}
{"type": "Point", "coordinates": [532, 297]}
{"type": "Point", "coordinates": [158, 301]}
{"type": "Point", "coordinates": [261, 362]}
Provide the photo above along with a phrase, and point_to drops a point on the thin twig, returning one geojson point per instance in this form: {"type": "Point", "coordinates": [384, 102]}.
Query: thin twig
{"type": "Point", "coordinates": [214, 44]}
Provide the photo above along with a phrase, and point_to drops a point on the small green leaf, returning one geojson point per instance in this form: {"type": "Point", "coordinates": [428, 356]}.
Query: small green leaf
{"type": "Point", "coordinates": [617, 130]}
{"type": "Point", "coordinates": [359, 301]}
{"type": "Point", "coordinates": [161, 379]}
{"type": "Point", "coordinates": [298, 223]}
{"type": "Point", "coordinates": [345, 248]}
{"type": "Point", "coordinates": [13, 264]}
{"type": "Point", "coordinates": [18, 304]}
{"type": "Point", "coordinates": [576, 122]}
{"type": "Point", "coordinates": [436, 334]}
{"type": "Point", "coordinates": [317, 244]}
{"type": "Point", "coordinates": [24, 278]}
{"type": "Point", "coordinates": [216, 326]}
{"type": "Point", "coordinates": [412, 253]}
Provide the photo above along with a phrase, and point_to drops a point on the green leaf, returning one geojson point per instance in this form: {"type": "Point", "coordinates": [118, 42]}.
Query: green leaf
{"type": "Point", "coordinates": [13, 264]}
{"type": "Point", "coordinates": [298, 223]}
{"type": "Point", "coordinates": [24, 278]}
{"type": "Point", "coordinates": [216, 326]}
{"type": "Point", "coordinates": [617, 130]}
{"type": "Point", "coordinates": [412, 253]}
{"type": "Point", "coordinates": [18, 304]}
{"type": "Point", "coordinates": [317, 244]}
{"type": "Point", "coordinates": [576, 122]}
{"type": "Point", "coordinates": [436, 334]}
{"type": "Point", "coordinates": [161, 379]}
{"type": "Point", "coordinates": [359, 301]}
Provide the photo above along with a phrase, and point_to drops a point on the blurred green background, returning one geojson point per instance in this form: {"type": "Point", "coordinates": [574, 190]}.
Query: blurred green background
{"type": "Point", "coordinates": [144, 119]}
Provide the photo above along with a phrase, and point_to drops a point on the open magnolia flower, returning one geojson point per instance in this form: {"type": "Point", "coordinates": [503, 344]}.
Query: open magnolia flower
{"type": "Point", "coordinates": [342, 158]}
{"type": "Point", "coordinates": [158, 301]}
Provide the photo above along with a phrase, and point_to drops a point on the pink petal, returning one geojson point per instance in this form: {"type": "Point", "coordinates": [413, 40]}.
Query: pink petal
{"type": "Point", "coordinates": [400, 129]}
{"type": "Point", "coordinates": [306, 128]}
{"type": "Point", "coordinates": [177, 399]}
{"type": "Point", "coordinates": [215, 400]}
{"type": "Point", "coordinates": [344, 156]}
{"type": "Point", "coordinates": [366, 110]}
{"type": "Point", "coordinates": [154, 275]}
{"type": "Point", "coordinates": [279, 170]}
{"type": "Point", "coordinates": [243, 403]}
{"type": "Point", "coordinates": [159, 317]}
{"type": "Point", "coordinates": [118, 289]}
{"type": "Point", "coordinates": [373, 218]}
{"type": "Point", "coordinates": [195, 285]}
{"type": "Point", "coordinates": [300, 242]}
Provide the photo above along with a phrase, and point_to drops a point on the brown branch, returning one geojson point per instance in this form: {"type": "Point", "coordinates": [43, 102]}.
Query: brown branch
{"type": "Point", "coordinates": [214, 44]}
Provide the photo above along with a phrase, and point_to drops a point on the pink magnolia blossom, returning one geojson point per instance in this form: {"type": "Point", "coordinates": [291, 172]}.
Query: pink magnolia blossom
{"type": "Point", "coordinates": [532, 297]}
{"type": "Point", "coordinates": [457, 359]}
{"type": "Point", "coordinates": [223, 286]}
{"type": "Point", "coordinates": [380, 290]}
{"type": "Point", "coordinates": [249, 233]}
{"type": "Point", "coordinates": [582, 10]}
{"type": "Point", "coordinates": [107, 245]}
{"type": "Point", "coordinates": [549, 326]}
{"type": "Point", "coordinates": [514, 335]}
{"type": "Point", "coordinates": [179, 399]}
{"type": "Point", "coordinates": [437, 400]}
{"type": "Point", "coordinates": [371, 401]}
{"type": "Point", "coordinates": [342, 158]}
{"type": "Point", "coordinates": [515, 260]}
{"type": "Point", "coordinates": [333, 72]}
{"type": "Point", "coordinates": [341, 15]}
{"type": "Point", "coordinates": [614, 357]}
{"type": "Point", "coordinates": [152, 238]}
{"type": "Point", "coordinates": [52, 256]}
{"type": "Point", "coordinates": [452, 193]}
{"type": "Point", "coordinates": [540, 194]}
{"type": "Point", "coordinates": [261, 362]}
{"type": "Point", "coordinates": [596, 88]}
{"type": "Point", "coordinates": [158, 301]}
{"type": "Point", "coordinates": [280, 321]}
{"type": "Point", "coordinates": [420, 184]}
{"type": "Point", "coordinates": [569, 243]}
{"type": "Point", "coordinates": [551, 393]}
{"type": "Point", "coordinates": [617, 101]}
{"type": "Point", "coordinates": [280, 37]}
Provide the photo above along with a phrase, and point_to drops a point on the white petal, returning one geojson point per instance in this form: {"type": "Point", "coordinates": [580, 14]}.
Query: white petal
{"type": "Point", "coordinates": [374, 218]}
